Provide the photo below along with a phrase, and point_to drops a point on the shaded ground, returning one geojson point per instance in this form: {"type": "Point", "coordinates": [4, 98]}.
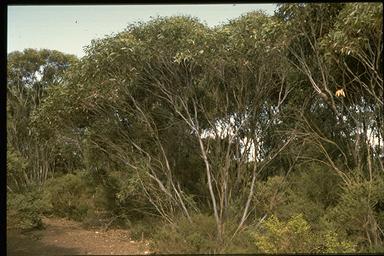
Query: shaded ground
{"type": "Point", "coordinates": [65, 237]}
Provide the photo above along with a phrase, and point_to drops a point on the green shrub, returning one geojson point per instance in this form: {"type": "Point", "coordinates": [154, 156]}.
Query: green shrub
{"type": "Point", "coordinates": [283, 237]}
{"type": "Point", "coordinates": [359, 212]}
{"type": "Point", "coordinates": [185, 237]}
{"type": "Point", "coordinates": [318, 184]}
{"type": "Point", "coordinates": [296, 204]}
{"type": "Point", "coordinates": [145, 228]}
{"type": "Point", "coordinates": [25, 211]}
{"type": "Point", "coordinates": [275, 197]}
{"type": "Point", "coordinates": [269, 195]}
{"type": "Point", "coordinates": [243, 242]}
{"type": "Point", "coordinates": [296, 236]}
{"type": "Point", "coordinates": [16, 167]}
{"type": "Point", "coordinates": [312, 190]}
{"type": "Point", "coordinates": [69, 196]}
{"type": "Point", "coordinates": [331, 243]}
{"type": "Point", "coordinates": [200, 237]}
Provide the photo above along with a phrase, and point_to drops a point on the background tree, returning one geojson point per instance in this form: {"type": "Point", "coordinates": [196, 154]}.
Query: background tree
{"type": "Point", "coordinates": [29, 75]}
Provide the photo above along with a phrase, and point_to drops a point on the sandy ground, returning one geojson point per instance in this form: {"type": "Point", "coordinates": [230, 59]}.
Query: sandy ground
{"type": "Point", "coordinates": [65, 237]}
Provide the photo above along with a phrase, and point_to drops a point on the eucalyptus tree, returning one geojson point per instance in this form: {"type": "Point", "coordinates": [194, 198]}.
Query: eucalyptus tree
{"type": "Point", "coordinates": [223, 107]}
{"type": "Point", "coordinates": [337, 50]}
{"type": "Point", "coordinates": [354, 49]}
{"type": "Point", "coordinates": [218, 90]}
{"type": "Point", "coordinates": [29, 75]}
{"type": "Point", "coordinates": [330, 58]}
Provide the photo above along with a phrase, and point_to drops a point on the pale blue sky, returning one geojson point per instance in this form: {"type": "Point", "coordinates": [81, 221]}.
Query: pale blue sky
{"type": "Point", "coordinates": [55, 27]}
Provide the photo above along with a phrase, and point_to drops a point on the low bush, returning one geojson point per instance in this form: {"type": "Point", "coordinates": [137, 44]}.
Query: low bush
{"type": "Point", "coordinates": [359, 212]}
{"type": "Point", "coordinates": [186, 237]}
{"type": "Point", "coordinates": [69, 196]}
{"type": "Point", "coordinates": [270, 195]}
{"type": "Point", "coordinates": [200, 236]}
{"type": "Point", "coordinates": [25, 211]}
{"type": "Point", "coordinates": [144, 229]}
{"type": "Point", "coordinates": [296, 236]}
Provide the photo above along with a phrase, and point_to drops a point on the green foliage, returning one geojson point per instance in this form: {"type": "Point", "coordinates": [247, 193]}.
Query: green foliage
{"type": "Point", "coordinates": [356, 24]}
{"type": "Point", "coordinates": [270, 195]}
{"type": "Point", "coordinates": [29, 75]}
{"type": "Point", "coordinates": [200, 236]}
{"type": "Point", "coordinates": [312, 190]}
{"type": "Point", "coordinates": [69, 196]}
{"type": "Point", "coordinates": [318, 183]}
{"type": "Point", "coordinates": [359, 212]}
{"type": "Point", "coordinates": [185, 237]}
{"type": "Point", "coordinates": [243, 242]}
{"type": "Point", "coordinates": [25, 211]}
{"type": "Point", "coordinates": [16, 168]}
{"type": "Point", "coordinates": [96, 199]}
{"type": "Point", "coordinates": [291, 236]}
{"type": "Point", "coordinates": [331, 243]}
{"type": "Point", "coordinates": [145, 228]}
{"type": "Point", "coordinates": [295, 236]}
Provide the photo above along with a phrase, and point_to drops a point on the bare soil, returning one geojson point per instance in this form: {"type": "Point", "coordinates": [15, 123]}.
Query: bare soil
{"type": "Point", "coordinates": [65, 237]}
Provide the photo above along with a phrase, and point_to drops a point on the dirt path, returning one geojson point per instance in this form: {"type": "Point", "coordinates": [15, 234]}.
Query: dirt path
{"type": "Point", "coordinates": [64, 237]}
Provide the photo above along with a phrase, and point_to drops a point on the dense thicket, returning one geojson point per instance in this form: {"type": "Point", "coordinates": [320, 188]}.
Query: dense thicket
{"type": "Point", "coordinates": [263, 134]}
